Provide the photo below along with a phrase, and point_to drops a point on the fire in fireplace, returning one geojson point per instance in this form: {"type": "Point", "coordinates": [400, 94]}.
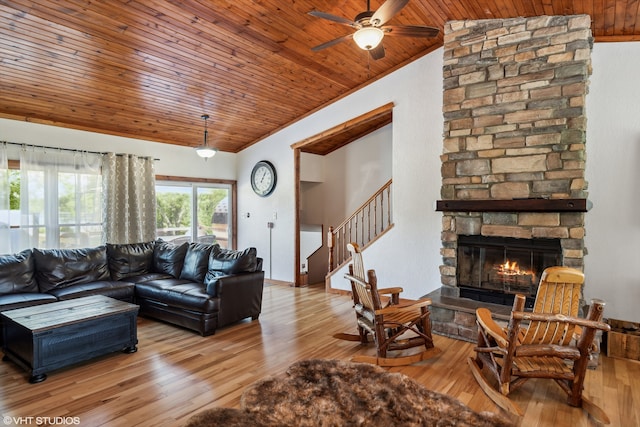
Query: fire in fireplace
{"type": "Point", "coordinates": [494, 269]}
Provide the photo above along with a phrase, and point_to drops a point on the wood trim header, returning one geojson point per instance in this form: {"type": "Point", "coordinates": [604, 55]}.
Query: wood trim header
{"type": "Point", "coordinates": [338, 136]}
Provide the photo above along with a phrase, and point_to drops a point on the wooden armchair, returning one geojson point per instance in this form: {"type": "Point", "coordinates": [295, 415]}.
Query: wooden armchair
{"type": "Point", "coordinates": [550, 342]}
{"type": "Point", "coordinates": [388, 296]}
{"type": "Point", "coordinates": [395, 324]}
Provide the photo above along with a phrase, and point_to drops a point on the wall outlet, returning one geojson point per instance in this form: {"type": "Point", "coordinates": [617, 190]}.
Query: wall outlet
{"type": "Point", "coordinates": [269, 225]}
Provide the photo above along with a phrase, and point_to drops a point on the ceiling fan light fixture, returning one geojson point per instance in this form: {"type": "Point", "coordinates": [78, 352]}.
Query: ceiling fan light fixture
{"type": "Point", "coordinates": [368, 38]}
{"type": "Point", "coordinates": [204, 150]}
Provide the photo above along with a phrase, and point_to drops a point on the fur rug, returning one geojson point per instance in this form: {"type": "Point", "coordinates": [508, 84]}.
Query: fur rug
{"type": "Point", "coordinates": [335, 393]}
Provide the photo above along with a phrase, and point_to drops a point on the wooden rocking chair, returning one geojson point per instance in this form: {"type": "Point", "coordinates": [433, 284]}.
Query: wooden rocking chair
{"type": "Point", "coordinates": [556, 344]}
{"type": "Point", "coordinates": [399, 324]}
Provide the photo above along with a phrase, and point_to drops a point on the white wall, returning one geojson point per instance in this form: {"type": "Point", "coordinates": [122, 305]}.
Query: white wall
{"type": "Point", "coordinates": [416, 91]}
{"type": "Point", "coordinates": [311, 167]}
{"type": "Point", "coordinates": [172, 159]}
{"type": "Point", "coordinates": [355, 172]}
{"type": "Point", "coordinates": [409, 254]}
{"type": "Point", "coordinates": [312, 199]}
{"type": "Point", "coordinates": [613, 172]}
{"type": "Point", "coordinates": [341, 182]}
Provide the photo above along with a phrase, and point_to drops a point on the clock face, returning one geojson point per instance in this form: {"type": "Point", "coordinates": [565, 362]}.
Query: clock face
{"type": "Point", "coordinates": [263, 178]}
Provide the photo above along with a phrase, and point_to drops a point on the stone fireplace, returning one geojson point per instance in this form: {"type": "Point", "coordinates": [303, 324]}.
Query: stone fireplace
{"type": "Point", "coordinates": [513, 157]}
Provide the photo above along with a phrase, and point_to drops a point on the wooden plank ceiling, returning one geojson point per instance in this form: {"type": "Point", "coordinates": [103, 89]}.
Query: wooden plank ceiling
{"type": "Point", "coordinates": [149, 69]}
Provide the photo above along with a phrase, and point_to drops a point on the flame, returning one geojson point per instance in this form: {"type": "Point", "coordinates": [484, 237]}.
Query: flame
{"type": "Point", "coordinates": [511, 268]}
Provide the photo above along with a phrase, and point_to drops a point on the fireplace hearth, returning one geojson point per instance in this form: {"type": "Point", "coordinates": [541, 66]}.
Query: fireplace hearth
{"type": "Point", "coordinates": [494, 269]}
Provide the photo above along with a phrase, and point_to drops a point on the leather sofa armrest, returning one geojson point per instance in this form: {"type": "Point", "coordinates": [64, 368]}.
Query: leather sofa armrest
{"type": "Point", "coordinates": [240, 296]}
{"type": "Point", "coordinates": [236, 285]}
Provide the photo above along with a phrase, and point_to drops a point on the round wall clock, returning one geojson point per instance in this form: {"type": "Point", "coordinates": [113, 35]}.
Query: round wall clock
{"type": "Point", "coordinates": [263, 178]}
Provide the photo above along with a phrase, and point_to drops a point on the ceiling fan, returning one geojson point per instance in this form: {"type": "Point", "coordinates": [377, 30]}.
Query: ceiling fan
{"type": "Point", "coordinates": [370, 28]}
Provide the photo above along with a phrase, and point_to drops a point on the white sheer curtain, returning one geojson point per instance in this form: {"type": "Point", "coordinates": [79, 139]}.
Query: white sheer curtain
{"type": "Point", "coordinates": [129, 198]}
{"type": "Point", "coordinates": [5, 211]}
{"type": "Point", "coordinates": [60, 198]}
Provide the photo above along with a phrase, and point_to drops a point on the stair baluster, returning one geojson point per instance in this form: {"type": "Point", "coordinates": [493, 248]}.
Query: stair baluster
{"type": "Point", "coordinates": [360, 227]}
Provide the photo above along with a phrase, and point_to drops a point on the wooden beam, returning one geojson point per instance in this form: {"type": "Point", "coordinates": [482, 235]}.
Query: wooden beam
{"type": "Point", "coordinates": [343, 127]}
{"type": "Point", "coordinates": [516, 205]}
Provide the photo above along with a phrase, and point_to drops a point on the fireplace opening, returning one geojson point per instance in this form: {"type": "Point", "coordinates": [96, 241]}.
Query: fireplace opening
{"type": "Point", "coordinates": [494, 269]}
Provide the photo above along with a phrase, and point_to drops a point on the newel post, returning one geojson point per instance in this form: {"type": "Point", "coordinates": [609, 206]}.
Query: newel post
{"type": "Point", "coordinates": [330, 244]}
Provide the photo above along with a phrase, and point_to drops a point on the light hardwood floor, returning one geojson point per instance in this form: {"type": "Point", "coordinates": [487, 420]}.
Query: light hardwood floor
{"type": "Point", "coordinates": [176, 373]}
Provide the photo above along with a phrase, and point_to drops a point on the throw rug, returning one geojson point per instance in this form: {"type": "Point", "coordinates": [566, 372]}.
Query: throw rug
{"type": "Point", "coordinates": [336, 393]}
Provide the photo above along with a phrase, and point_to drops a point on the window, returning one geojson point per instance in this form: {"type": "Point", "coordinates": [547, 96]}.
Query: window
{"type": "Point", "coordinates": [187, 209]}
{"type": "Point", "coordinates": [79, 222]}
{"type": "Point", "coordinates": [55, 201]}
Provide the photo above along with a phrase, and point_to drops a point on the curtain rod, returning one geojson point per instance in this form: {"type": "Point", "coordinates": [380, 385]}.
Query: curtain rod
{"type": "Point", "coordinates": [67, 149]}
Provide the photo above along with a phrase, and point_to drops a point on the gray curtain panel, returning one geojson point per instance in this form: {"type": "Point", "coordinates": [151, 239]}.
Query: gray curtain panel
{"type": "Point", "coordinates": [129, 204]}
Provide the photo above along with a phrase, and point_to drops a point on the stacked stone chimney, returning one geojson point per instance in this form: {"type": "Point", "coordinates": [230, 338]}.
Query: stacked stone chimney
{"type": "Point", "coordinates": [515, 126]}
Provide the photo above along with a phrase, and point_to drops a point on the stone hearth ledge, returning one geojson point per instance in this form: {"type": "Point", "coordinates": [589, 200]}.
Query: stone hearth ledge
{"type": "Point", "coordinates": [455, 317]}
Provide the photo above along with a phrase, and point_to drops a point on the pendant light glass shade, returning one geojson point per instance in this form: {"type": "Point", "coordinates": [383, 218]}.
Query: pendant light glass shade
{"type": "Point", "coordinates": [204, 150]}
{"type": "Point", "coordinates": [368, 38]}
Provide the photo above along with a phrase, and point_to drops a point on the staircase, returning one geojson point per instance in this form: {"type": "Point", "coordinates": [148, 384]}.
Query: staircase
{"type": "Point", "coordinates": [370, 221]}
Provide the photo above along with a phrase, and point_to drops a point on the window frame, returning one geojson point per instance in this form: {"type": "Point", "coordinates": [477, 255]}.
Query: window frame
{"type": "Point", "coordinates": [208, 182]}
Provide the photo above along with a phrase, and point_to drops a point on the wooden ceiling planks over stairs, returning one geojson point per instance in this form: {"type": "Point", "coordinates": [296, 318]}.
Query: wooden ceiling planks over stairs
{"type": "Point", "coordinates": [347, 132]}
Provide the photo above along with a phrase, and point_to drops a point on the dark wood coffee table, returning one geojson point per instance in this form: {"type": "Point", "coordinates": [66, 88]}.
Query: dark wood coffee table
{"type": "Point", "coordinates": [51, 336]}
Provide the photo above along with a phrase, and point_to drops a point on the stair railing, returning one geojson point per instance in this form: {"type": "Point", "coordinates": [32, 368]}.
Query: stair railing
{"type": "Point", "coordinates": [370, 220]}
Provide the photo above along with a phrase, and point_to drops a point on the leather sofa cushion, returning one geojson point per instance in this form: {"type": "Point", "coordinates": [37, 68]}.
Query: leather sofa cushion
{"type": "Point", "coordinates": [225, 262]}
{"type": "Point", "coordinates": [17, 273]}
{"type": "Point", "coordinates": [178, 293]}
{"type": "Point", "coordinates": [27, 299]}
{"type": "Point", "coordinates": [121, 290]}
{"type": "Point", "coordinates": [130, 259]}
{"type": "Point", "coordinates": [145, 277]}
{"type": "Point", "coordinates": [228, 261]}
{"type": "Point", "coordinates": [168, 258]}
{"type": "Point", "coordinates": [196, 261]}
{"type": "Point", "coordinates": [59, 268]}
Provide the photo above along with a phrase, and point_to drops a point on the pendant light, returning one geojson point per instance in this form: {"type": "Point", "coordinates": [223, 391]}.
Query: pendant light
{"type": "Point", "coordinates": [204, 150]}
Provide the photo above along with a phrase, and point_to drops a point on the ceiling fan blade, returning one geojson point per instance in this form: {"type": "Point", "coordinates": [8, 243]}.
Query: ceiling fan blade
{"type": "Point", "coordinates": [377, 52]}
{"type": "Point", "coordinates": [410, 31]}
{"type": "Point", "coordinates": [332, 42]}
{"type": "Point", "coordinates": [333, 18]}
{"type": "Point", "coordinates": [385, 12]}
